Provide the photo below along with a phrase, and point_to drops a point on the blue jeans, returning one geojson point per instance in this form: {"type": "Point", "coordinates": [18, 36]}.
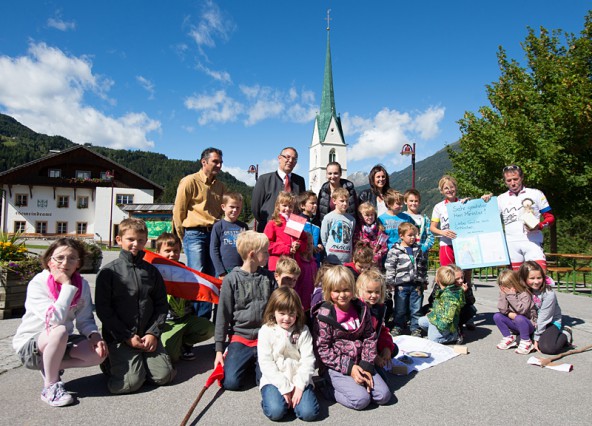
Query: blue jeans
{"type": "Point", "coordinates": [197, 250]}
{"type": "Point", "coordinates": [275, 406]}
{"type": "Point", "coordinates": [240, 359]}
{"type": "Point", "coordinates": [436, 335]}
{"type": "Point", "coordinates": [408, 298]}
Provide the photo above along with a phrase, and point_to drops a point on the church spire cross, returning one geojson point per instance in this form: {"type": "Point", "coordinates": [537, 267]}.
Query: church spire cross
{"type": "Point", "coordinates": [329, 19]}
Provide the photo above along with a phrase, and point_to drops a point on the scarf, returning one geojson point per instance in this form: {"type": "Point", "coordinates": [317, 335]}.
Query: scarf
{"type": "Point", "coordinates": [54, 289]}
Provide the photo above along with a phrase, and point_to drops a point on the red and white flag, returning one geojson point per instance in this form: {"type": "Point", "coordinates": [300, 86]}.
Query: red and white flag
{"type": "Point", "coordinates": [295, 225]}
{"type": "Point", "coordinates": [184, 282]}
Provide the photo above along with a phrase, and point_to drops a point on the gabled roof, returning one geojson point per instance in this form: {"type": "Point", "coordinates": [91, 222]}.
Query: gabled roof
{"type": "Point", "coordinates": [69, 160]}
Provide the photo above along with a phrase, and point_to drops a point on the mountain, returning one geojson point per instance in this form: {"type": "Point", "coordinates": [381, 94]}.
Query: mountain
{"type": "Point", "coordinates": [21, 145]}
{"type": "Point", "coordinates": [427, 174]}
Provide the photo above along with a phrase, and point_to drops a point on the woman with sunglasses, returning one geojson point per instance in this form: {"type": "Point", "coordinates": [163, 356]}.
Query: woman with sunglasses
{"type": "Point", "coordinates": [521, 209]}
{"type": "Point", "coordinates": [45, 340]}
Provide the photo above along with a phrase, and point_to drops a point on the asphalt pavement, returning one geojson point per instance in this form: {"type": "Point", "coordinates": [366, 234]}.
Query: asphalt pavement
{"type": "Point", "coordinates": [485, 387]}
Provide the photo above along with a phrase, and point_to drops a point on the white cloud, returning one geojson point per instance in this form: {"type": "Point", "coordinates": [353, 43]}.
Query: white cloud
{"type": "Point", "coordinates": [212, 25]}
{"type": "Point", "coordinates": [147, 85]}
{"type": "Point", "coordinates": [221, 76]}
{"type": "Point", "coordinates": [388, 131]}
{"type": "Point", "coordinates": [59, 24]}
{"type": "Point", "coordinates": [241, 174]}
{"type": "Point", "coordinates": [257, 103]}
{"type": "Point", "coordinates": [214, 108]}
{"type": "Point", "coordinates": [45, 90]}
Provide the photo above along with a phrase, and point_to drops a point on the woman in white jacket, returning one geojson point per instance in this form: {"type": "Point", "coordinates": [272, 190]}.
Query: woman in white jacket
{"type": "Point", "coordinates": [286, 359]}
{"type": "Point", "coordinates": [56, 298]}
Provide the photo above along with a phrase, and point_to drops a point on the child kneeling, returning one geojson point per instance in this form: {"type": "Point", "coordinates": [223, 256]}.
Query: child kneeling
{"type": "Point", "coordinates": [441, 322]}
{"type": "Point", "coordinates": [346, 343]}
{"type": "Point", "coordinates": [286, 359]}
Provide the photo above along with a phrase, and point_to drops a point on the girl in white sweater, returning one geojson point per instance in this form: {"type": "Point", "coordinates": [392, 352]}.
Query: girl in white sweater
{"type": "Point", "coordinates": [56, 298]}
{"type": "Point", "coordinates": [286, 359]}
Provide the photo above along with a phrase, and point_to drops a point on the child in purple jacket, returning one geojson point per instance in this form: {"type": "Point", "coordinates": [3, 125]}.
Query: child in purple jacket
{"type": "Point", "coordinates": [345, 341]}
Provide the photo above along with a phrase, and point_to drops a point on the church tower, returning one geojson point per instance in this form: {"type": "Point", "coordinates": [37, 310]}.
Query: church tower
{"type": "Point", "coordinates": [327, 143]}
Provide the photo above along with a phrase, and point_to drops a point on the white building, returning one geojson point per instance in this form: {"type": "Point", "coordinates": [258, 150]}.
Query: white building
{"type": "Point", "coordinates": [327, 144]}
{"type": "Point", "coordinates": [75, 192]}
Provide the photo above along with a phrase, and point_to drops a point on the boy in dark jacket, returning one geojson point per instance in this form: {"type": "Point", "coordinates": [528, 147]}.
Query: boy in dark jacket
{"type": "Point", "coordinates": [131, 303]}
{"type": "Point", "coordinates": [406, 275]}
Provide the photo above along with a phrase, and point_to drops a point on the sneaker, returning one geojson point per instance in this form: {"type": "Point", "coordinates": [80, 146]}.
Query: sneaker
{"type": "Point", "coordinates": [188, 354]}
{"type": "Point", "coordinates": [396, 331]}
{"type": "Point", "coordinates": [416, 332]}
{"type": "Point", "coordinates": [507, 342]}
{"type": "Point", "coordinates": [56, 396]}
{"type": "Point", "coordinates": [525, 347]}
{"type": "Point", "coordinates": [569, 334]}
{"type": "Point", "coordinates": [470, 326]}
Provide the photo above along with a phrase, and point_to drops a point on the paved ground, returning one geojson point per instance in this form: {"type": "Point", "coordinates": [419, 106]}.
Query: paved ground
{"type": "Point", "coordinates": [488, 386]}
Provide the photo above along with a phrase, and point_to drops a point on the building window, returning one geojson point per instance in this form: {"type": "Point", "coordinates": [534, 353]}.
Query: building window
{"type": "Point", "coordinates": [82, 203]}
{"type": "Point", "coordinates": [82, 174]}
{"type": "Point", "coordinates": [21, 200]}
{"type": "Point", "coordinates": [124, 199]}
{"type": "Point", "coordinates": [63, 201]}
{"type": "Point", "coordinates": [62, 227]}
{"type": "Point", "coordinates": [106, 175]}
{"type": "Point", "coordinates": [332, 156]}
{"type": "Point", "coordinates": [55, 173]}
{"type": "Point", "coordinates": [41, 227]}
{"type": "Point", "coordinates": [81, 227]}
{"type": "Point", "coordinates": [20, 226]}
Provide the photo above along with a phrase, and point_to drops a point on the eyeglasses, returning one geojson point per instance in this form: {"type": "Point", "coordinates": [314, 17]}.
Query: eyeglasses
{"type": "Point", "coordinates": [289, 157]}
{"type": "Point", "coordinates": [60, 259]}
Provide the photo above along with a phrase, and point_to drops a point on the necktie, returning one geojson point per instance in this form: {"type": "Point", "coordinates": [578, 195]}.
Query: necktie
{"type": "Point", "coordinates": [287, 184]}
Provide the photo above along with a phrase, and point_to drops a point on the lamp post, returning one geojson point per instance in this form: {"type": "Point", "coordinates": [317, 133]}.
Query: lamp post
{"type": "Point", "coordinates": [409, 150]}
{"type": "Point", "coordinates": [254, 169]}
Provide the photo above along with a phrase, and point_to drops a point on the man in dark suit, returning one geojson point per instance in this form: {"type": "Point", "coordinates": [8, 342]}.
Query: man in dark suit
{"type": "Point", "coordinates": [271, 184]}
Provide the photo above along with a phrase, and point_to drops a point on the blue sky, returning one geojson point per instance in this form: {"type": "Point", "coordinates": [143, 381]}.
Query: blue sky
{"type": "Point", "coordinates": [246, 76]}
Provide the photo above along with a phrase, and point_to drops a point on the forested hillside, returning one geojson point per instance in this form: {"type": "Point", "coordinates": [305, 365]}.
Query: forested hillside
{"type": "Point", "coordinates": [21, 145]}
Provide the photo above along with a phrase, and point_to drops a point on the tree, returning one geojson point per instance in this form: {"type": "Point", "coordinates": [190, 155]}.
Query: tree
{"type": "Point", "coordinates": [540, 118]}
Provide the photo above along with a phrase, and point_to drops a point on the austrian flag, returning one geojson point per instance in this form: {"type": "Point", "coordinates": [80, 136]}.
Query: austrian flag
{"type": "Point", "coordinates": [184, 282]}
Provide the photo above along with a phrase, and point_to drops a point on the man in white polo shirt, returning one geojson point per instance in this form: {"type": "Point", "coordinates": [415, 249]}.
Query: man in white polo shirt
{"type": "Point", "coordinates": [521, 209]}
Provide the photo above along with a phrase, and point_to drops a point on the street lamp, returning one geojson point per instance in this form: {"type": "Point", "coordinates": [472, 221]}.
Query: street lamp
{"type": "Point", "coordinates": [409, 150]}
{"type": "Point", "coordinates": [254, 169]}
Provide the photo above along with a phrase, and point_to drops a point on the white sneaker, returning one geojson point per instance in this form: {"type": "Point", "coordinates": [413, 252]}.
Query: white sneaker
{"type": "Point", "coordinates": [525, 347]}
{"type": "Point", "coordinates": [56, 396]}
{"type": "Point", "coordinates": [507, 342]}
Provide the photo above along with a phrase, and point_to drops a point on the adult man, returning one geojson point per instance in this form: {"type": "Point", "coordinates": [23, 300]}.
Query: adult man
{"type": "Point", "coordinates": [271, 184]}
{"type": "Point", "coordinates": [197, 208]}
{"type": "Point", "coordinates": [521, 209]}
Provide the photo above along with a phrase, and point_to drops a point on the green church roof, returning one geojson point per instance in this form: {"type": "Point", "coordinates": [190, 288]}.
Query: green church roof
{"type": "Point", "coordinates": [328, 98]}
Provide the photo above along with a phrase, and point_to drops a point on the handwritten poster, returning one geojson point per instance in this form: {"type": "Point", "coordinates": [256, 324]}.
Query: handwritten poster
{"type": "Point", "coordinates": [480, 240]}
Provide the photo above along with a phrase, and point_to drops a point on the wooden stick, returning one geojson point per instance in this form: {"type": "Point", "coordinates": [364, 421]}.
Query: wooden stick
{"type": "Point", "coordinates": [190, 412]}
{"type": "Point", "coordinates": [547, 361]}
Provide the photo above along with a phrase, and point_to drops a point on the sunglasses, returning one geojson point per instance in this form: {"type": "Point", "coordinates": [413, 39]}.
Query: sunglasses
{"type": "Point", "coordinates": [512, 168]}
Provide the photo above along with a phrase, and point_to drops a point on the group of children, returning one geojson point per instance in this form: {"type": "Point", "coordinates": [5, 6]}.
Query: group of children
{"type": "Point", "coordinates": [281, 315]}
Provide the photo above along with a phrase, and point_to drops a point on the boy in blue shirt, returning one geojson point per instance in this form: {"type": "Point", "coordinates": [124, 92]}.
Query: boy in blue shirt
{"type": "Point", "coordinates": [224, 232]}
{"type": "Point", "coordinates": [394, 216]}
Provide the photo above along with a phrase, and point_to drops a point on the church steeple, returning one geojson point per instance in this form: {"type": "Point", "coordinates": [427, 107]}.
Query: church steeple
{"type": "Point", "coordinates": [327, 143]}
{"type": "Point", "coordinates": [328, 96]}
